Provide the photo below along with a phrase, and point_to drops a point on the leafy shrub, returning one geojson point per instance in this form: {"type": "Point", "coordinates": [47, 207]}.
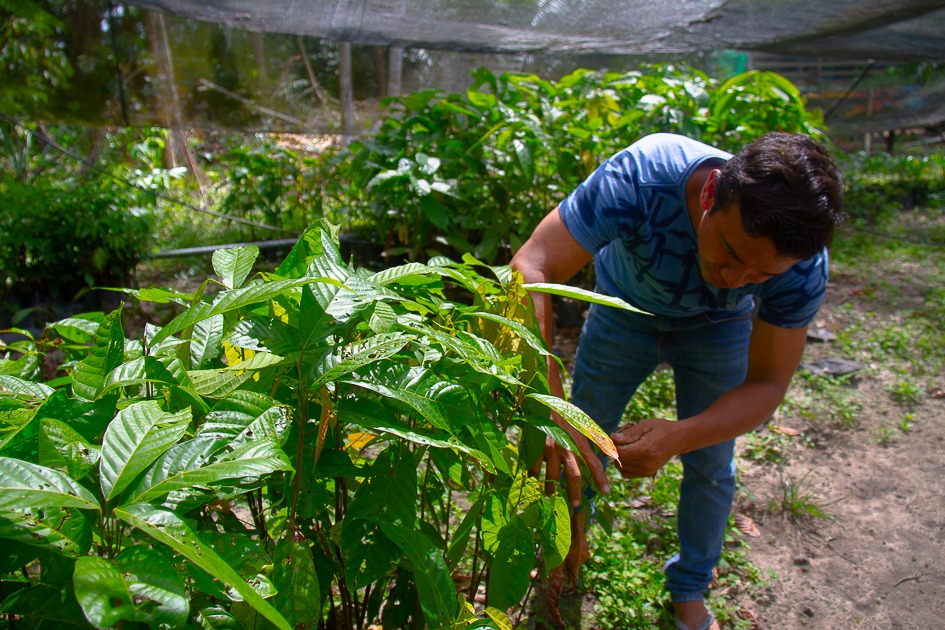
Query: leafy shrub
{"type": "Point", "coordinates": [317, 447]}
{"type": "Point", "coordinates": [881, 183]}
{"type": "Point", "coordinates": [59, 237]}
{"type": "Point", "coordinates": [476, 172]}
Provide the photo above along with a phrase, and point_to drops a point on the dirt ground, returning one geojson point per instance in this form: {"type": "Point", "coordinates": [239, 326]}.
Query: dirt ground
{"type": "Point", "coordinates": [880, 562]}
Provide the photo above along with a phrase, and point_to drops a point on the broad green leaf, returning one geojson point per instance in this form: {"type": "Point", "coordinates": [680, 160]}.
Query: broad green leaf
{"type": "Point", "coordinates": [501, 620]}
{"type": "Point", "coordinates": [388, 494]}
{"type": "Point", "coordinates": [156, 585]}
{"type": "Point", "coordinates": [556, 540]}
{"type": "Point", "coordinates": [394, 274]}
{"type": "Point", "coordinates": [43, 605]}
{"type": "Point", "coordinates": [147, 369]}
{"type": "Point", "coordinates": [520, 329]}
{"type": "Point", "coordinates": [439, 402]}
{"type": "Point", "coordinates": [237, 298]}
{"type": "Point", "coordinates": [135, 438]}
{"type": "Point", "coordinates": [18, 433]}
{"type": "Point", "coordinates": [340, 361]}
{"type": "Point", "coordinates": [167, 527]}
{"type": "Point", "coordinates": [102, 593]}
{"type": "Point", "coordinates": [206, 340]}
{"type": "Point", "coordinates": [580, 421]}
{"type": "Point", "coordinates": [512, 564]}
{"type": "Point", "coordinates": [183, 467]}
{"type": "Point", "coordinates": [247, 416]}
{"type": "Point", "coordinates": [13, 386]}
{"type": "Point", "coordinates": [106, 353]}
{"type": "Point", "coordinates": [578, 293]}
{"type": "Point", "coordinates": [25, 485]}
{"type": "Point", "coordinates": [218, 383]}
{"type": "Point", "coordinates": [64, 449]}
{"type": "Point", "coordinates": [65, 531]}
{"type": "Point", "coordinates": [434, 585]}
{"type": "Point", "coordinates": [79, 329]}
{"type": "Point", "coordinates": [372, 415]}
{"type": "Point", "coordinates": [299, 594]}
{"type": "Point", "coordinates": [460, 537]}
{"type": "Point", "coordinates": [234, 264]}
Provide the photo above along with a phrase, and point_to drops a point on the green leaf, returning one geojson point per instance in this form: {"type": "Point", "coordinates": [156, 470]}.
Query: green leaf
{"type": "Point", "coordinates": [206, 340]}
{"type": "Point", "coordinates": [183, 466]}
{"type": "Point", "coordinates": [581, 294]}
{"type": "Point", "coordinates": [234, 299]}
{"type": "Point", "coordinates": [434, 584]}
{"type": "Point", "coordinates": [18, 434]}
{"type": "Point", "coordinates": [299, 595]}
{"type": "Point", "coordinates": [234, 264]}
{"type": "Point", "coordinates": [512, 564]}
{"type": "Point", "coordinates": [64, 449]}
{"type": "Point", "coordinates": [65, 531]}
{"type": "Point", "coordinates": [106, 353]}
{"type": "Point", "coordinates": [102, 593]}
{"type": "Point", "coordinates": [137, 436]}
{"type": "Point", "coordinates": [80, 329]}
{"type": "Point", "coordinates": [435, 400]}
{"type": "Point", "coordinates": [340, 361]}
{"type": "Point", "coordinates": [460, 537]}
{"type": "Point", "coordinates": [580, 421]}
{"type": "Point", "coordinates": [43, 605]}
{"type": "Point", "coordinates": [159, 592]}
{"type": "Point", "coordinates": [239, 423]}
{"type": "Point", "coordinates": [167, 527]}
{"type": "Point", "coordinates": [25, 485]}
{"type": "Point", "coordinates": [218, 383]}
{"type": "Point", "coordinates": [29, 390]}
{"type": "Point", "coordinates": [393, 274]}
{"type": "Point", "coordinates": [370, 414]}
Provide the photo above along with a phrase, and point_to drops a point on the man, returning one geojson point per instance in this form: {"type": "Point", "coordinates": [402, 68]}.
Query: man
{"type": "Point", "coordinates": [694, 236]}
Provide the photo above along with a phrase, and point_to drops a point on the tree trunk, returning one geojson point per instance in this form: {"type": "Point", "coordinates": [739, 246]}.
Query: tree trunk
{"type": "Point", "coordinates": [176, 150]}
{"type": "Point", "coordinates": [346, 90]}
{"type": "Point", "coordinates": [395, 70]}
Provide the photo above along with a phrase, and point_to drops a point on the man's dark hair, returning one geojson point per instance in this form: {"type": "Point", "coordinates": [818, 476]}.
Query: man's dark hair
{"type": "Point", "coordinates": [788, 190]}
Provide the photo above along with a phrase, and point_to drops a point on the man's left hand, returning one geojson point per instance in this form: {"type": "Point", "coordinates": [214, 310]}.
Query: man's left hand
{"type": "Point", "coordinates": [644, 447]}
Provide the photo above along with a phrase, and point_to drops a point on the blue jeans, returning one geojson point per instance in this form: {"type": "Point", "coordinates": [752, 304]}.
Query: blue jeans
{"type": "Point", "coordinates": [709, 356]}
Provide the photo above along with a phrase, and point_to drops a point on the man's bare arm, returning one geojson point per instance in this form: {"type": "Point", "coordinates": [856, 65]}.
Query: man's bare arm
{"type": "Point", "coordinates": [773, 357]}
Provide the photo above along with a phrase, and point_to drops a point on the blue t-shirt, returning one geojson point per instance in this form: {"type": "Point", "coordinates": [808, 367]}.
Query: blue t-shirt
{"type": "Point", "coordinates": [631, 214]}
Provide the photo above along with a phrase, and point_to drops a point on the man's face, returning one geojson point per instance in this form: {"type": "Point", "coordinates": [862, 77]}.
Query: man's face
{"type": "Point", "coordinates": [729, 258]}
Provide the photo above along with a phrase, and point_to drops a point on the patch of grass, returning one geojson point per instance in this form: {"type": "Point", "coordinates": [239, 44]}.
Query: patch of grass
{"type": "Point", "coordinates": [797, 503]}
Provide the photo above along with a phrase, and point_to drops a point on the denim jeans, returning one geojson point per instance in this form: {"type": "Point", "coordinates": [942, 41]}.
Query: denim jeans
{"type": "Point", "coordinates": [709, 356]}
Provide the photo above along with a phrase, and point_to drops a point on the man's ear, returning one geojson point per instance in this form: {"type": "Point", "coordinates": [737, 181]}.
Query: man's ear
{"type": "Point", "coordinates": [707, 196]}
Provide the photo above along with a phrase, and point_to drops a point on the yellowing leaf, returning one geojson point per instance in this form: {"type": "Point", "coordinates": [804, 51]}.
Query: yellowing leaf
{"type": "Point", "coordinates": [359, 439]}
{"type": "Point", "coordinates": [279, 311]}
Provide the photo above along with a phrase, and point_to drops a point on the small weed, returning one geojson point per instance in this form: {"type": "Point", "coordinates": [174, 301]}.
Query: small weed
{"type": "Point", "coordinates": [884, 436]}
{"type": "Point", "coordinates": [906, 423]}
{"type": "Point", "coordinates": [797, 503]}
{"type": "Point", "coordinates": [906, 392]}
{"type": "Point", "coordinates": [764, 446]}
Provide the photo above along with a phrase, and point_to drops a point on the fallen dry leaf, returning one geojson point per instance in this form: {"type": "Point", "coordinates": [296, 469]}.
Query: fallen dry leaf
{"type": "Point", "coordinates": [777, 428]}
{"type": "Point", "coordinates": [749, 615]}
{"type": "Point", "coordinates": [746, 525]}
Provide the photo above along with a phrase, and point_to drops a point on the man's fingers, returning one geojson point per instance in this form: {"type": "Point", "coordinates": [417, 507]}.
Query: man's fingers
{"type": "Point", "coordinates": [573, 481]}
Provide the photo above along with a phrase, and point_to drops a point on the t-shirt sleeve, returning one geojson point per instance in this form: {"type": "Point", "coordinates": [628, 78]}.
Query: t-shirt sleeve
{"type": "Point", "coordinates": [601, 208]}
{"type": "Point", "coordinates": [792, 299]}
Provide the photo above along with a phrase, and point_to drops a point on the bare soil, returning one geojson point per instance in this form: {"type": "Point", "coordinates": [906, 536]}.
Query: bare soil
{"type": "Point", "coordinates": [881, 563]}
{"type": "Point", "coordinates": [878, 562]}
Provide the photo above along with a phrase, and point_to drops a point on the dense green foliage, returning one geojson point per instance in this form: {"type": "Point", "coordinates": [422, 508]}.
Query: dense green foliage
{"type": "Point", "coordinates": [320, 445]}
{"type": "Point", "coordinates": [59, 237]}
{"type": "Point", "coordinates": [475, 172]}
